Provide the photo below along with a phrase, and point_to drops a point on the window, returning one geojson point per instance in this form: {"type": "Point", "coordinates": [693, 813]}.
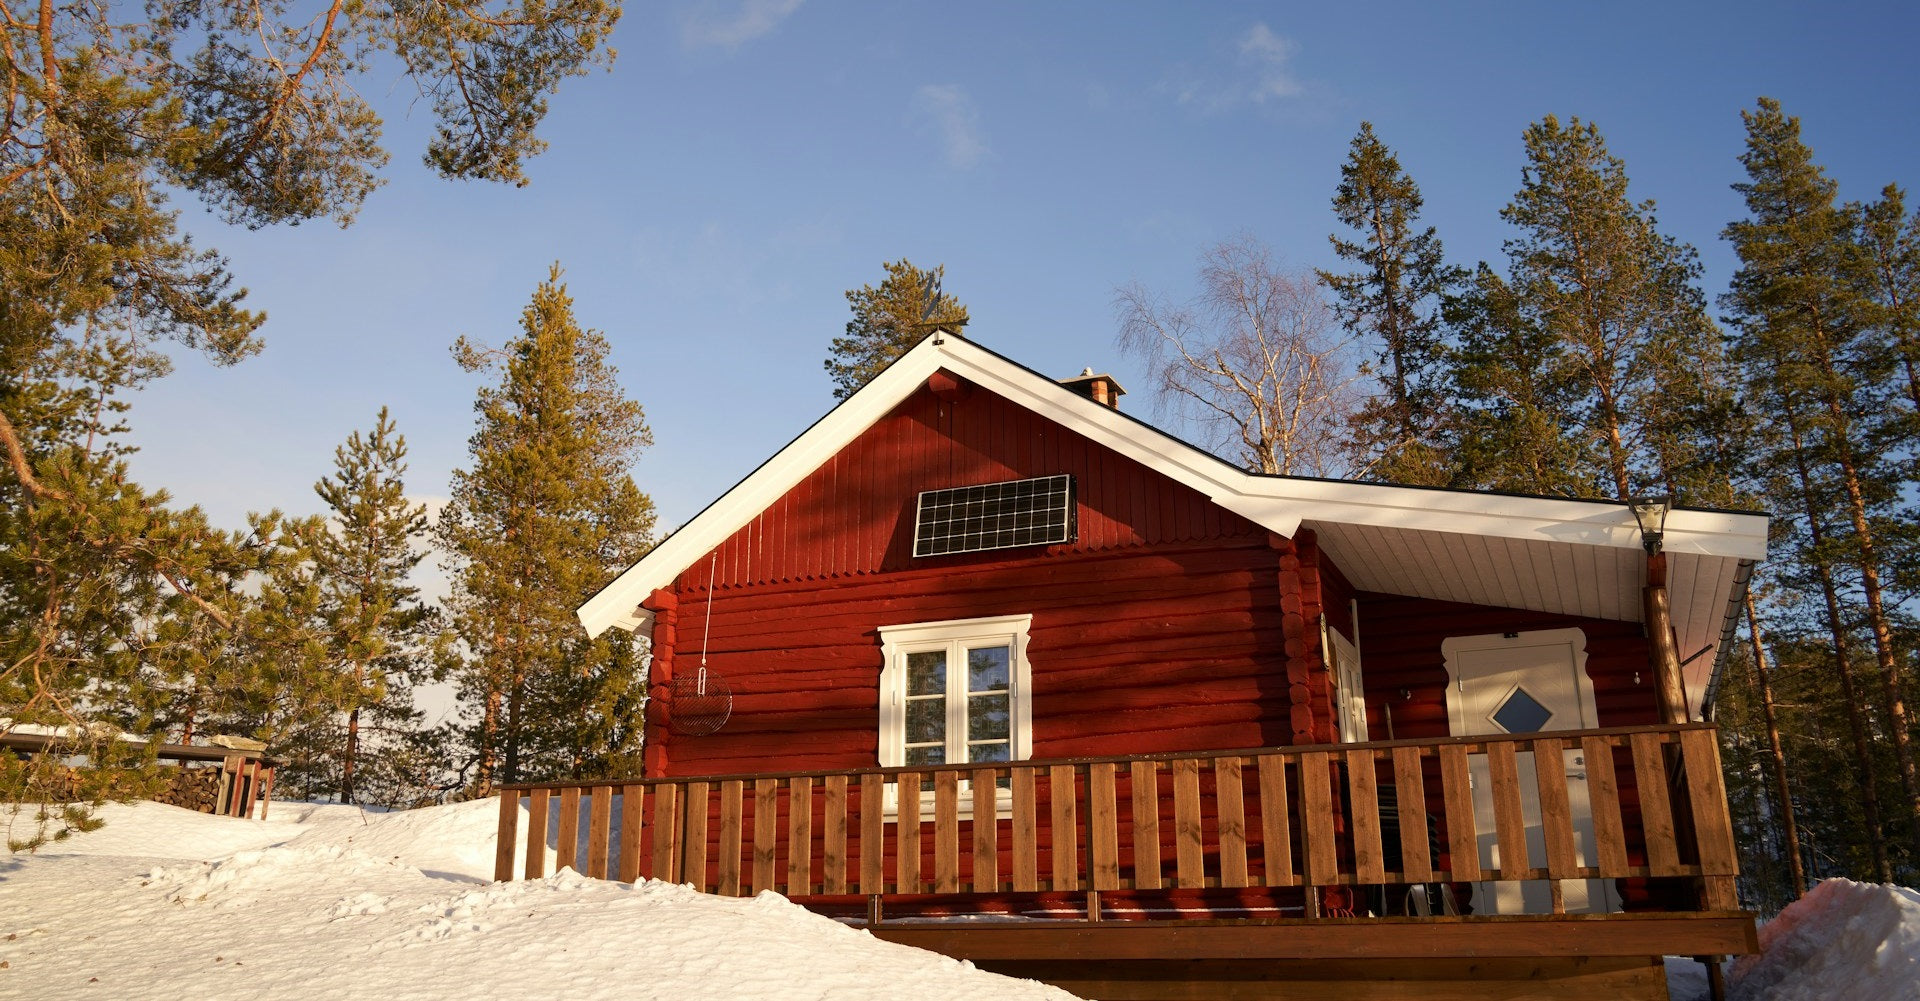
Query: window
{"type": "Point", "coordinates": [955, 692]}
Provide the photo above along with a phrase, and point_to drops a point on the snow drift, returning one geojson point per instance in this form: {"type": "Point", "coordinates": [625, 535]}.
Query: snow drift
{"type": "Point", "coordinates": [1843, 939]}
{"type": "Point", "coordinates": [330, 903]}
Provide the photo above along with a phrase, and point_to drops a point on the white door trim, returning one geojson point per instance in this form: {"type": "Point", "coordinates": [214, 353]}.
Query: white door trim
{"type": "Point", "coordinates": [1575, 639]}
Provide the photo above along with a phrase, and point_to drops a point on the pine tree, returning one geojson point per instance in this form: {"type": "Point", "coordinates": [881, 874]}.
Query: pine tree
{"type": "Point", "coordinates": [1816, 362]}
{"type": "Point", "coordinates": [1395, 298]}
{"type": "Point", "coordinates": [1592, 273]}
{"type": "Point", "coordinates": [543, 517]}
{"type": "Point", "coordinates": [378, 632]}
{"type": "Point", "coordinates": [1514, 396]}
{"type": "Point", "coordinates": [887, 320]}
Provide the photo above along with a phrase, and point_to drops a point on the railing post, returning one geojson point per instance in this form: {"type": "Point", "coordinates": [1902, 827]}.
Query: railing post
{"type": "Point", "coordinates": [509, 822]}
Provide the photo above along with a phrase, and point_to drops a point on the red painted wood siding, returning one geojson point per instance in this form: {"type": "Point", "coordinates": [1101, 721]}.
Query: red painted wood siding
{"type": "Point", "coordinates": [1400, 648]}
{"type": "Point", "coordinates": [1159, 629]}
{"type": "Point", "coordinates": [854, 514]}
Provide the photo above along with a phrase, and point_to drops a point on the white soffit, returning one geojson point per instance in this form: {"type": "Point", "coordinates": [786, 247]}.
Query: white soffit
{"type": "Point", "coordinates": [1556, 554]}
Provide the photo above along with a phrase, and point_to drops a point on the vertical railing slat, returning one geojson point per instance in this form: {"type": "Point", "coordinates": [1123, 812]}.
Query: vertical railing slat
{"type": "Point", "coordinates": [507, 835]}
{"type": "Point", "coordinates": [536, 833]}
{"type": "Point", "coordinates": [1712, 827]}
{"type": "Point", "coordinates": [1556, 813]}
{"type": "Point", "coordinates": [1656, 810]}
{"type": "Point", "coordinates": [873, 834]}
{"type": "Point", "coordinates": [633, 803]}
{"type": "Point", "coordinates": [1410, 803]}
{"type": "Point", "coordinates": [1103, 827]}
{"type": "Point", "coordinates": [693, 870]}
{"type": "Point", "coordinates": [799, 836]}
{"type": "Point", "coordinates": [1603, 795]}
{"type": "Point", "coordinates": [1230, 806]}
{"type": "Point", "coordinates": [1316, 819]}
{"type": "Point", "coordinates": [1061, 796]}
{"type": "Point", "coordinates": [1276, 821]}
{"type": "Point", "coordinates": [599, 830]}
{"type": "Point", "coordinates": [567, 847]}
{"type": "Point", "coordinates": [834, 852]}
{"type": "Point", "coordinates": [732, 796]}
{"type": "Point", "coordinates": [666, 831]}
{"type": "Point", "coordinates": [986, 831]}
{"type": "Point", "coordinates": [1189, 851]}
{"type": "Point", "coordinates": [946, 832]}
{"type": "Point", "coordinates": [1363, 805]}
{"type": "Point", "coordinates": [907, 834]}
{"type": "Point", "coordinates": [1509, 823]}
{"type": "Point", "coordinates": [766, 832]}
{"type": "Point", "coordinates": [1456, 805]}
{"type": "Point", "coordinates": [1024, 830]}
{"type": "Point", "coordinates": [1146, 824]}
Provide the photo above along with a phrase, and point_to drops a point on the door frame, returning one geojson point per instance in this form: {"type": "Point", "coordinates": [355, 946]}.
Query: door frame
{"type": "Point", "coordinates": [1574, 638]}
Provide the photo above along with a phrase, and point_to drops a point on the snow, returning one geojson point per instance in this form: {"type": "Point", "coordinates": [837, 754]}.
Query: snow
{"type": "Point", "coordinates": [329, 903]}
{"type": "Point", "coordinates": [1843, 939]}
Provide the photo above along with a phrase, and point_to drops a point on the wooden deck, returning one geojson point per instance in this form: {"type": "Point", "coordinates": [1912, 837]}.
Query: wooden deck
{"type": "Point", "coordinates": [1289, 841]}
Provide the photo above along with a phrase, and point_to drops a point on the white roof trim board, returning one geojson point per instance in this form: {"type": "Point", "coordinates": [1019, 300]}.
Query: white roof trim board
{"type": "Point", "coordinates": [1576, 557]}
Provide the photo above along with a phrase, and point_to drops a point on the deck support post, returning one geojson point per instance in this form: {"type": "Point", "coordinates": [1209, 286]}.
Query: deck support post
{"type": "Point", "coordinates": [1716, 977]}
{"type": "Point", "coordinates": [1661, 654]}
{"type": "Point", "coordinates": [873, 908]}
{"type": "Point", "coordinates": [1093, 905]}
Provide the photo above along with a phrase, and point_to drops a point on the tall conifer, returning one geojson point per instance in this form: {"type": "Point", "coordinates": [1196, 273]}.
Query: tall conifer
{"type": "Point", "coordinates": [1593, 274]}
{"type": "Point", "coordinates": [1394, 297]}
{"type": "Point", "coordinates": [888, 319]}
{"type": "Point", "coordinates": [1806, 317]}
{"type": "Point", "coordinates": [543, 517]}
{"type": "Point", "coordinates": [378, 632]}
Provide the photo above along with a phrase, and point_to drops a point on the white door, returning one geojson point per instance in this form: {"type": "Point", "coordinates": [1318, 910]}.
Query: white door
{"type": "Point", "coordinates": [1527, 683]}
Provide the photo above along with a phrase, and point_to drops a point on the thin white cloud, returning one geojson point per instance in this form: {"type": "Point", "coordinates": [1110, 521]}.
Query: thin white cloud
{"type": "Point", "coordinates": [713, 23]}
{"type": "Point", "coordinates": [1260, 72]}
{"type": "Point", "coordinates": [949, 113]}
{"type": "Point", "coordinates": [1269, 54]}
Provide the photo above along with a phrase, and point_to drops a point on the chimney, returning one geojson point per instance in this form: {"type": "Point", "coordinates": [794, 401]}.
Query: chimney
{"type": "Point", "coordinates": [1098, 388]}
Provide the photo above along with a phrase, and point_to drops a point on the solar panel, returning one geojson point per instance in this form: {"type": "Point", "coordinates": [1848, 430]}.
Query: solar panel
{"type": "Point", "coordinates": [994, 516]}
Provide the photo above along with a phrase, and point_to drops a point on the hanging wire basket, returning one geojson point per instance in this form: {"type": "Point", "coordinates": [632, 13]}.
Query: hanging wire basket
{"type": "Point", "coordinates": [702, 704]}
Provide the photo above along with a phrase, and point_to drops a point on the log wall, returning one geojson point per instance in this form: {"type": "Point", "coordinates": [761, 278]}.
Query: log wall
{"type": "Point", "coordinates": [1168, 624]}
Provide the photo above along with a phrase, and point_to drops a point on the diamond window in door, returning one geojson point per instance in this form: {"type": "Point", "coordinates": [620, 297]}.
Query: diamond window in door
{"type": "Point", "coordinates": [1520, 712]}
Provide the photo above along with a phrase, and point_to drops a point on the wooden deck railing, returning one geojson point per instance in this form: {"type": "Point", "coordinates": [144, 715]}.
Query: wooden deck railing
{"type": "Point", "coordinates": [1358, 815]}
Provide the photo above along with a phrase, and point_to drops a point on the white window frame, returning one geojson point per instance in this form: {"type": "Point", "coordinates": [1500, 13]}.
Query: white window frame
{"type": "Point", "coordinates": [952, 635]}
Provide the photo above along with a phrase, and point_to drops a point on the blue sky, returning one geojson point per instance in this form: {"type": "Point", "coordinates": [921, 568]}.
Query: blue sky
{"type": "Point", "coordinates": [744, 163]}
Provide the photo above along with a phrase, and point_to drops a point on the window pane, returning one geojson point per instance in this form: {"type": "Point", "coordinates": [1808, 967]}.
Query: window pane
{"type": "Point", "coordinates": [927, 673]}
{"type": "Point", "coordinates": [987, 668]}
{"type": "Point", "coordinates": [926, 721]}
{"type": "Point", "coordinates": [1001, 751]}
{"type": "Point", "coordinates": [935, 755]}
{"type": "Point", "coordinates": [988, 717]}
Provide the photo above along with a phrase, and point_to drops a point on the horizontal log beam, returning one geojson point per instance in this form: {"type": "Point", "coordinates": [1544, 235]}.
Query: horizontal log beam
{"type": "Point", "coordinates": [1339, 938]}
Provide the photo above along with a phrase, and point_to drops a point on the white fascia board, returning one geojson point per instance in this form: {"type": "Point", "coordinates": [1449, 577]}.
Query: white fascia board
{"type": "Point", "coordinates": [1278, 504]}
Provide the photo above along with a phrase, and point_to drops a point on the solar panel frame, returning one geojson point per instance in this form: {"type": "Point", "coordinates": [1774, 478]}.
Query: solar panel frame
{"type": "Point", "coordinates": [988, 516]}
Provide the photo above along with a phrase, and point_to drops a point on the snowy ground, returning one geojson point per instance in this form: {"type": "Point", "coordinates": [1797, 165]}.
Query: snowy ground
{"type": "Point", "coordinates": [325, 903]}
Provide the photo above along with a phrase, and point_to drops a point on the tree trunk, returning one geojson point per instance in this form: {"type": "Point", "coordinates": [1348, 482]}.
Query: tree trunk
{"type": "Point", "coordinates": [489, 742]}
{"type": "Point", "coordinates": [1790, 832]}
{"type": "Point", "coordinates": [349, 754]}
{"type": "Point", "coordinates": [1868, 562]}
{"type": "Point", "coordinates": [1836, 622]}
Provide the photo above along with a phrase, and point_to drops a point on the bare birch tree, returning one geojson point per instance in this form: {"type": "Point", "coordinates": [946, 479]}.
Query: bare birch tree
{"type": "Point", "coordinates": [1255, 360]}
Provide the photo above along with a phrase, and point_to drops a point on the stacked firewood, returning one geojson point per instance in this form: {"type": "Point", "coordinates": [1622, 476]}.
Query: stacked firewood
{"type": "Point", "coordinates": [192, 789]}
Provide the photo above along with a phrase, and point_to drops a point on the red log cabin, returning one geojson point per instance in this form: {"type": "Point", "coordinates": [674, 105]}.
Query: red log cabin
{"type": "Point", "coordinates": [978, 642]}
